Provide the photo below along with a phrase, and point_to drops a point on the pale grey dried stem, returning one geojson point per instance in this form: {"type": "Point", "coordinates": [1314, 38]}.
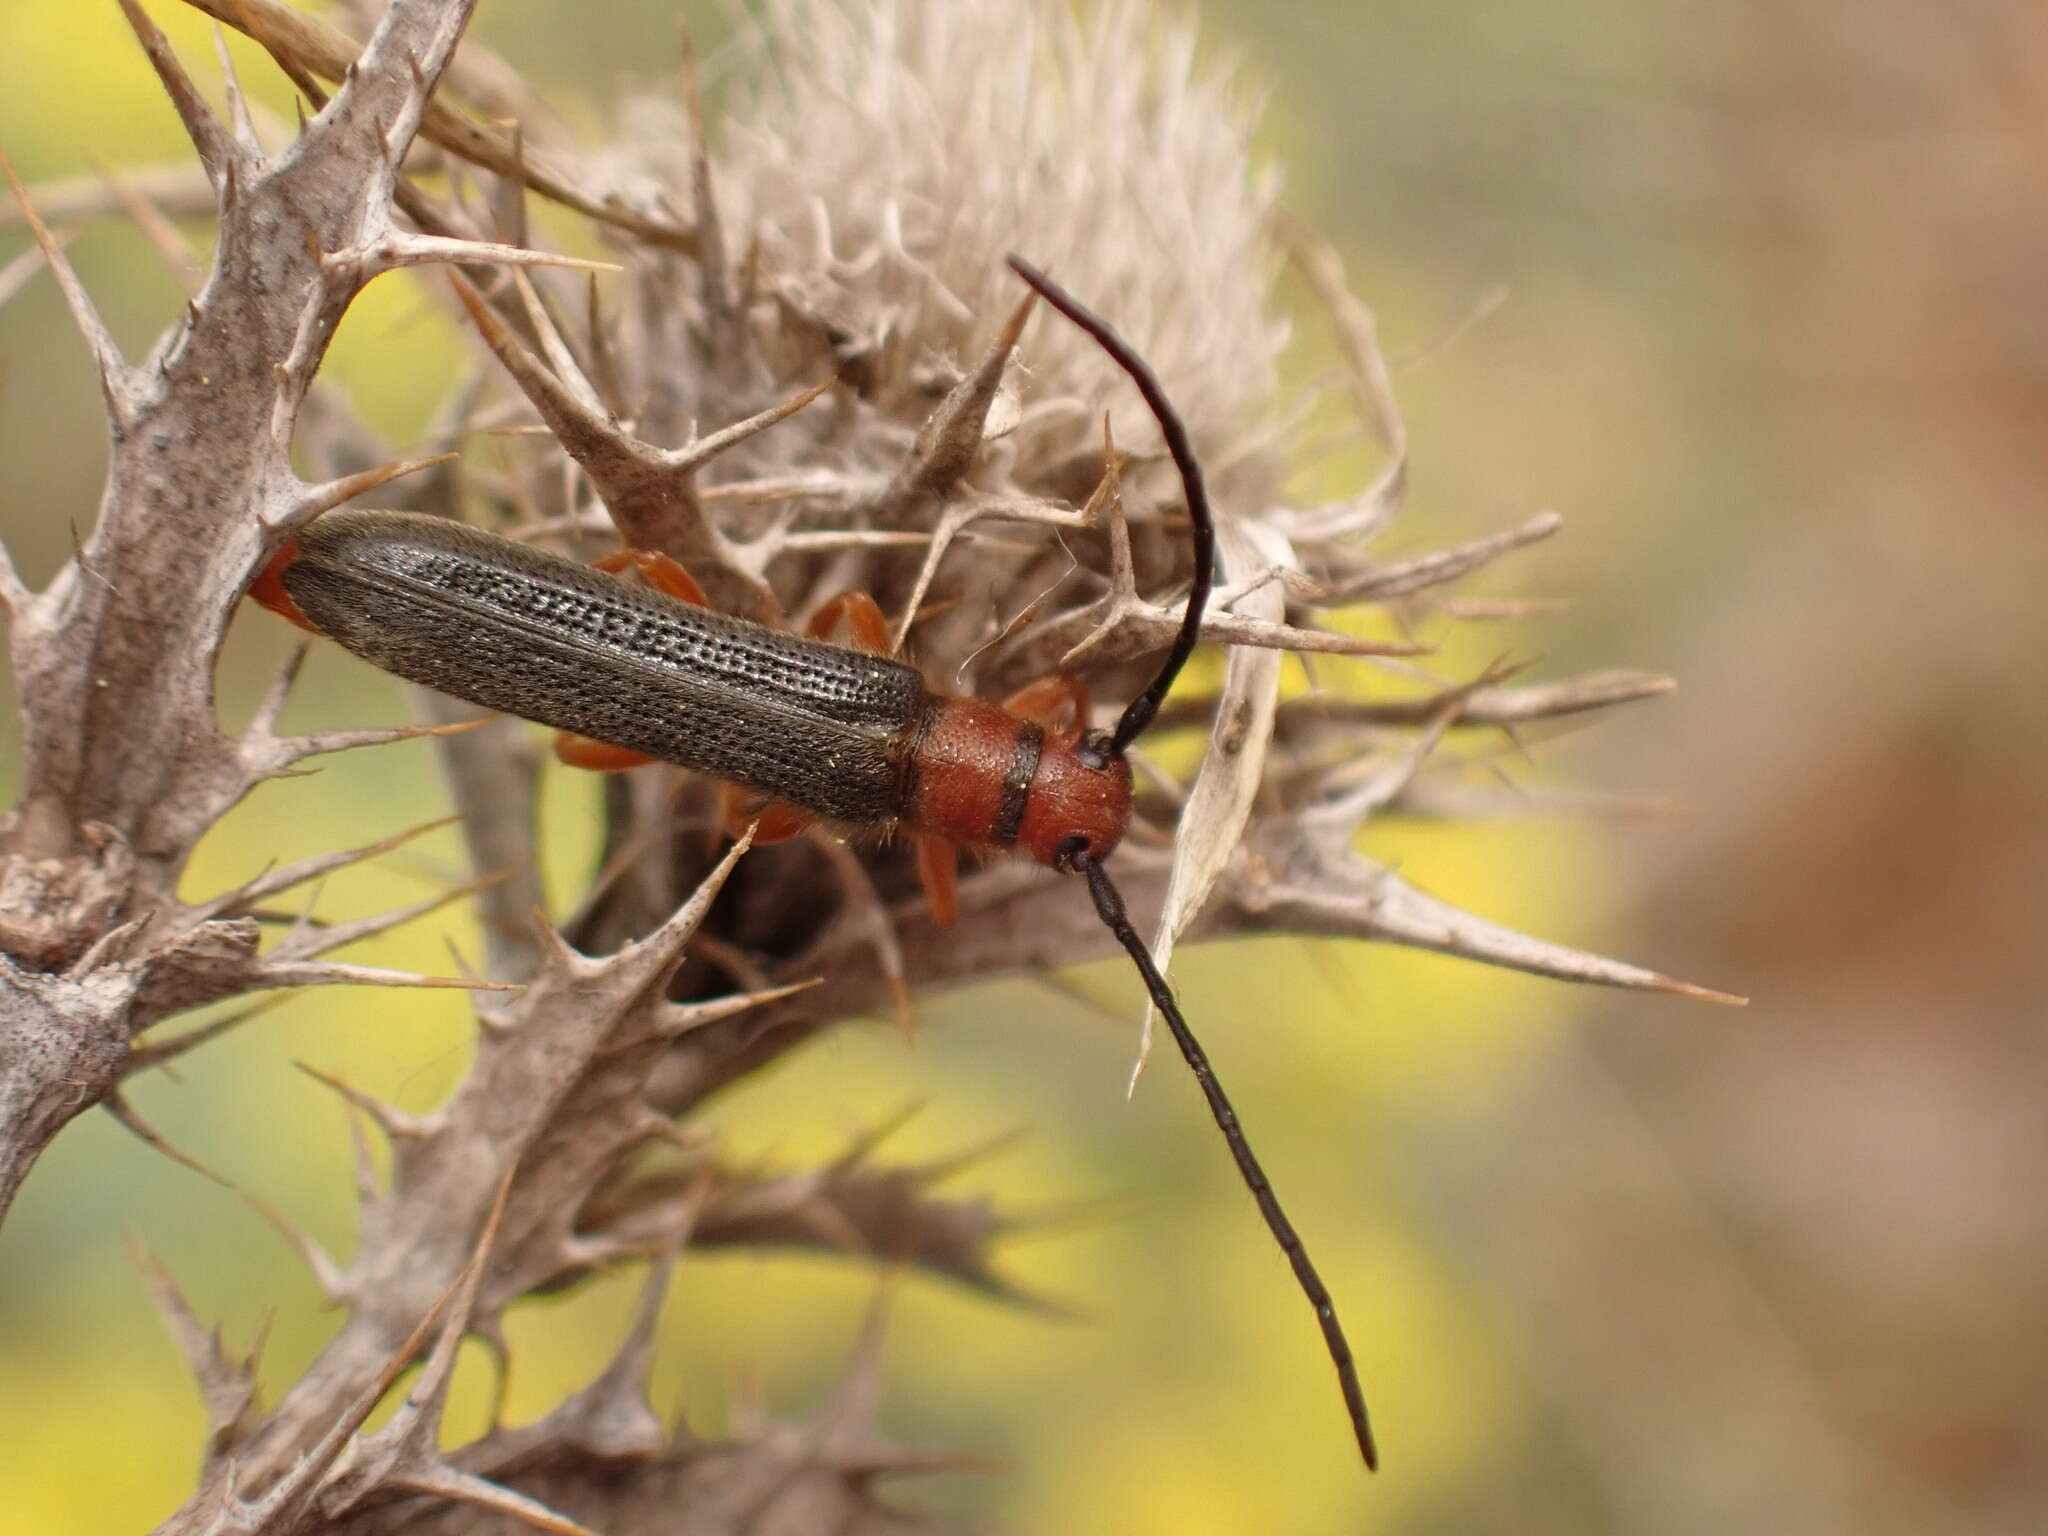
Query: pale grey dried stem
{"type": "Point", "coordinates": [180, 191]}
{"type": "Point", "coordinates": [1497, 705]}
{"type": "Point", "coordinates": [817, 377]}
{"type": "Point", "coordinates": [854, 1206]}
{"type": "Point", "coordinates": [123, 767]}
{"type": "Point", "coordinates": [1381, 583]}
{"type": "Point", "coordinates": [308, 46]}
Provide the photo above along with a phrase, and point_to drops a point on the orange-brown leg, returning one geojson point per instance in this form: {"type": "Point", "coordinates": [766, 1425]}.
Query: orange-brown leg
{"type": "Point", "coordinates": [657, 570]}
{"type": "Point", "coordinates": [1059, 703]}
{"type": "Point", "coordinates": [863, 619]}
{"type": "Point", "coordinates": [597, 756]}
{"type": "Point", "coordinates": [937, 870]}
{"type": "Point", "coordinates": [268, 587]}
{"type": "Point", "coordinates": [773, 821]}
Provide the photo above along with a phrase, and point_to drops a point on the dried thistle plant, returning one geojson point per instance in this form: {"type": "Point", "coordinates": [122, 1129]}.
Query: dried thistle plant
{"type": "Point", "coordinates": [843, 223]}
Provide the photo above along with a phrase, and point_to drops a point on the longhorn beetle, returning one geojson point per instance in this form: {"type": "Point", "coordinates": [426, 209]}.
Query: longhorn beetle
{"type": "Point", "coordinates": [825, 731]}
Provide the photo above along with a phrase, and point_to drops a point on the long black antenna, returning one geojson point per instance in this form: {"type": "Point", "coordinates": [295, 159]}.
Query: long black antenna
{"type": "Point", "coordinates": [1139, 712]}
{"type": "Point", "coordinates": [1109, 905]}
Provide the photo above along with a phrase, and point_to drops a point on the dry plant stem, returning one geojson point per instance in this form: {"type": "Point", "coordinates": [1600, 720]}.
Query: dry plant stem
{"type": "Point", "coordinates": [180, 191]}
{"type": "Point", "coordinates": [305, 45]}
{"type": "Point", "coordinates": [124, 767]}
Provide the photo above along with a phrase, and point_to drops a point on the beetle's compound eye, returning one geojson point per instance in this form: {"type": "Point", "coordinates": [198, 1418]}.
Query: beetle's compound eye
{"type": "Point", "coordinates": [1094, 751]}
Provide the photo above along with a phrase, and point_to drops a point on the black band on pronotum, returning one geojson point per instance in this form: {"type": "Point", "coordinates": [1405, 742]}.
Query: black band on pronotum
{"type": "Point", "coordinates": [1024, 756]}
{"type": "Point", "coordinates": [913, 757]}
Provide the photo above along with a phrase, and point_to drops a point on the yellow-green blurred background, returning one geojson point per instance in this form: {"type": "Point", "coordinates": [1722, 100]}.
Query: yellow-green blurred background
{"type": "Point", "coordinates": [1774, 342]}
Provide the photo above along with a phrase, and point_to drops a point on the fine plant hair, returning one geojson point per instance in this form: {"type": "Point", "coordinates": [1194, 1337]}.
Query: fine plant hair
{"type": "Point", "coordinates": [801, 368]}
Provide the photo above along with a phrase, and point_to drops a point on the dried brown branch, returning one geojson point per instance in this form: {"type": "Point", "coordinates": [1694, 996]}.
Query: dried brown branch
{"type": "Point", "coordinates": [304, 44]}
{"type": "Point", "coordinates": [118, 651]}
